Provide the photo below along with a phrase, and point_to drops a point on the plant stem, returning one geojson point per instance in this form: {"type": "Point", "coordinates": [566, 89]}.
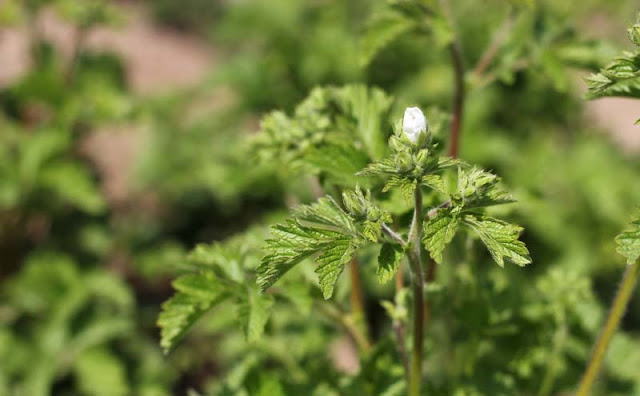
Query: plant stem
{"type": "Point", "coordinates": [415, 373]}
{"type": "Point", "coordinates": [610, 326]}
{"type": "Point", "coordinates": [393, 235]}
{"type": "Point", "coordinates": [455, 51]}
{"type": "Point", "coordinates": [356, 298]}
{"type": "Point", "coordinates": [458, 98]}
{"type": "Point", "coordinates": [347, 323]}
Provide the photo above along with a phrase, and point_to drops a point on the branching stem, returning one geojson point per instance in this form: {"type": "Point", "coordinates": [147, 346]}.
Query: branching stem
{"type": "Point", "coordinates": [393, 235]}
{"type": "Point", "coordinates": [610, 326]}
{"type": "Point", "coordinates": [347, 323]}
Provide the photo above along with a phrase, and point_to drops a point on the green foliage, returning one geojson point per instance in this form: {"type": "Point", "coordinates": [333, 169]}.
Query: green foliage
{"type": "Point", "coordinates": [83, 269]}
{"type": "Point", "coordinates": [219, 274]}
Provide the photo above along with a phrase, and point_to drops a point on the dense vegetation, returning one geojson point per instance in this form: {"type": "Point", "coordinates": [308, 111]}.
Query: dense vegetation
{"type": "Point", "coordinates": [285, 255]}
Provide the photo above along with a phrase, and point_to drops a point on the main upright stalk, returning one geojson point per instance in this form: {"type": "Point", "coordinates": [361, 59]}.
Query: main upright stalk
{"type": "Point", "coordinates": [415, 236]}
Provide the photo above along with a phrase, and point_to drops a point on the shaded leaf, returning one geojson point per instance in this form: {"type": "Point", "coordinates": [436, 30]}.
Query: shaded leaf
{"type": "Point", "coordinates": [388, 261]}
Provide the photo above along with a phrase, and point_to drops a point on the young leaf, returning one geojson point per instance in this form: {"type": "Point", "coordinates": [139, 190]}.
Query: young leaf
{"type": "Point", "coordinates": [478, 188]}
{"type": "Point", "coordinates": [629, 243]}
{"type": "Point", "coordinates": [620, 78]}
{"type": "Point", "coordinates": [196, 294]}
{"type": "Point", "coordinates": [438, 232]}
{"type": "Point", "coordinates": [388, 261]}
{"type": "Point", "coordinates": [501, 238]}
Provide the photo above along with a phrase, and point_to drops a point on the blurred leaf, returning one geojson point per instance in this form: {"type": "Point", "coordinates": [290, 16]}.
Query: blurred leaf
{"type": "Point", "coordinates": [253, 312]}
{"type": "Point", "coordinates": [383, 28]}
{"type": "Point", "coordinates": [196, 294]}
{"type": "Point", "coordinates": [100, 373]}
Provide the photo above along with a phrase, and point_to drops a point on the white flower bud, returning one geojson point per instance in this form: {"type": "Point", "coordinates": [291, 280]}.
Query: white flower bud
{"type": "Point", "coordinates": [413, 123]}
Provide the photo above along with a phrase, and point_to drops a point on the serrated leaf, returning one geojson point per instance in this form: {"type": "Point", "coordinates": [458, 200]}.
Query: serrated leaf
{"type": "Point", "coordinates": [196, 294]}
{"type": "Point", "coordinates": [319, 228]}
{"type": "Point", "coordinates": [332, 261]}
{"type": "Point", "coordinates": [381, 30]}
{"type": "Point", "coordinates": [629, 243]}
{"type": "Point", "coordinates": [254, 310]}
{"type": "Point", "coordinates": [500, 238]}
{"type": "Point", "coordinates": [438, 232]}
{"type": "Point", "coordinates": [388, 261]}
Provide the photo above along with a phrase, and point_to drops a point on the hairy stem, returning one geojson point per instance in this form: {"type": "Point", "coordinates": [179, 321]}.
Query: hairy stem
{"type": "Point", "coordinates": [393, 235]}
{"type": "Point", "coordinates": [415, 373]}
{"type": "Point", "coordinates": [610, 326]}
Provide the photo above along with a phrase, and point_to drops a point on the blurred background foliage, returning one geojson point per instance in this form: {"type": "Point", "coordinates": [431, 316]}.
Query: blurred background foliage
{"type": "Point", "coordinates": [85, 267]}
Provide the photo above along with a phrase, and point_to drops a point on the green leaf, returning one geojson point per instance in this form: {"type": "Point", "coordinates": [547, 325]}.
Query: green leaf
{"type": "Point", "coordinates": [319, 228]}
{"type": "Point", "coordinates": [254, 310]}
{"type": "Point", "coordinates": [438, 232]}
{"type": "Point", "coordinates": [382, 29]}
{"type": "Point", "coordinates": [388, 261]}
{"type": "Point", "coordinates": [629, 243]}
{"type": "Point", "coordinates": [501, 238]}
{"type": "Point", "coordinates": [196, 294]}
